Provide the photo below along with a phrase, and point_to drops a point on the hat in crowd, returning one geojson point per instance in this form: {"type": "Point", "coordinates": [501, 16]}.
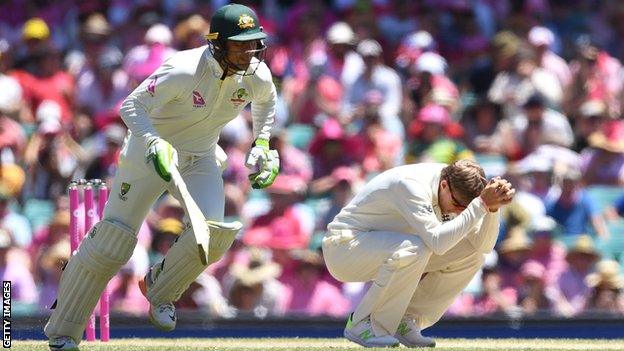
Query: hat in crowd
{"type": "Point", "coordinates": [571, 174]}
{"type": "Point", "coordinates": [542, 224]}
{"type": "Point", "coordinates": [586, 47]}
{"type": "Point", "coordinates": [607, 276]}
{"type": "Point", "coordinates": [194, 24]}
{"type": "Point", "coordinates": [49, 127]}
{"type": "Point", "coordinates": [256, 272]}
{"type": "Point", "coordinates": [369, 47]}
{"type": "Point", "coordinates": [11, 97]}
{"type": "Point", "coordinates": [48, 111]}
{"type": "Point", "coordinates": [110, 58]}
{"type": "Point", "coordinates": [307, 257]}
{"type": "Point", "coordinates": [115, 133]}
{"type": "Point", "coordinates": [533, 269]}
{"type": "Point", "coordinates": [340, 33]}
{"type": "Point", "coordinates": [60, 220]}
{"type": "Point", "coordinates": [506, 43]}
{"type": "Point", "coordinates": [5, 239]}
{"type": "Point", "coordinates": [611, 138]}
{"type": "Point", "coordinates": [35, 28]}
{"type": "Point", "coordinates": [593, 108]}
{"type": "Point", "coordinates": [12, 178]}
{"type": "Point", "coordinates": [435, 114]}
{"type": "Point", "coordinates": [330, 130]}
{"type": "Point", "coordinates": [421, 40]}
{"type": "Point", "coordinates": [583, 245]}
{"type": "Point", "coordinates": [516, 240]}
{"type": "Point", "coordinates": [96, 24]}
{"type": "Point", "coordinates": [539, 36]}
{"type": "Point", "coordinates": [159, 33]}
{"type": "Point", "coordinates": [288, 184]}
{"type": "Point", "coordinates": [55, 256]}
{"type": "Point", "coordinates": [432, 63]}
{"type": "Point", "coordinates": [170, 226]}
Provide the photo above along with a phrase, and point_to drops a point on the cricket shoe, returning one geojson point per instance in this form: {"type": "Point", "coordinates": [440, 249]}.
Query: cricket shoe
{"type": "Point", "coordinates": [409, 335]}
{"type": "Point", "coordinates": [62, 343]}
{"type": "Point", "coordinates": [362, 333]}
{"type": "Point", "coordinates": [162, 316]}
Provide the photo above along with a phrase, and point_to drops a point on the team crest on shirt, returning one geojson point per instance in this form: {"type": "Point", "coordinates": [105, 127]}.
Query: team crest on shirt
{"type": "Point", "coordinates": [151, 86]}
{"type": "Point", "coordinates": [246, 21]}
{"type": "Point", "coordinates": [238, 97]}
{"type": "Point", "coordinates": [198, 100]}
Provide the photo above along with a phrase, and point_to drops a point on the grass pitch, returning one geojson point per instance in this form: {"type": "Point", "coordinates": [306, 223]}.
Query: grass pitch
{"type": "Point", "coordinates": [295, 344]}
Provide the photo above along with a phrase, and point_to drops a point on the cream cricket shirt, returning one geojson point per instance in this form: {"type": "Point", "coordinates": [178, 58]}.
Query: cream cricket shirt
{"type": "Point", "coordinates": [405, 200]}
{"type": "Point", "coordinates": [186, 103]}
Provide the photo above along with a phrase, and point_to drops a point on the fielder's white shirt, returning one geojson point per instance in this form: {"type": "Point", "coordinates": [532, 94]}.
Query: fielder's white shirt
{"type": "Point", "coordinates": [186, 103]}
{"type": "Point", "coordinates": [405, 200]}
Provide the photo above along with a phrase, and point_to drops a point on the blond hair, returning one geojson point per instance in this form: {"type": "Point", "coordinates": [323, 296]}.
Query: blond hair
{"type": "Point", "coordinates": [466, 179]}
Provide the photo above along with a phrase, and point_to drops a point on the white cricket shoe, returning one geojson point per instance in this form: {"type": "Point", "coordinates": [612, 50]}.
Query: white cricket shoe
{"type": "Point", "coordinates": [409, 335]}
{"type": "Point", "coordinates": [64, 343]}
{"type": "Point", "coordinates": [162, 316]}
{"type": "Point", "coordinates": [362, 333]}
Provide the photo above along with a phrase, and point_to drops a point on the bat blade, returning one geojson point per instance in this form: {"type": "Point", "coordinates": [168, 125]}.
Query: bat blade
{"type": "Point", "coordinates": [198, 222]}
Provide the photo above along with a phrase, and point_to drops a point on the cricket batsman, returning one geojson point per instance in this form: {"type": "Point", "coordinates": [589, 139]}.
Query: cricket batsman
{"type": "Point", "coordinates": [419, 232]}
{"type": "Point", "coordinates": [174, 119]}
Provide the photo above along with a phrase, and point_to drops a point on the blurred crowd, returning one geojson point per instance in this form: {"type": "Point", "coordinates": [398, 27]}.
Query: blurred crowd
{"type": "Point", "coordinates": [530, 89]}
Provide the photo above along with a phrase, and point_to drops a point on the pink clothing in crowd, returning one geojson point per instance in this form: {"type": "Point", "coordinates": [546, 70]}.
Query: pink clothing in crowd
{"type": "Point", "coordinates": [322, 299]}
{"type": "Point", "coordinates": [23, 288]}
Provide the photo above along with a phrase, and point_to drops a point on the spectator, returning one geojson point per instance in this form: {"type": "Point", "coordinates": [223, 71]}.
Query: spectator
{"type": "Point", "coordinates": [12, 135]}
{"type": "Point", "coordinates": [48, 270]}
{"type": "Point", "coordinates": [575, 209]}
{"type": "Point", "coordinates": [331, 148]}
{"type": "Point", "coordinates": [430, 140]}
{"type": "Point", "coordinates": [513, 252]}
{"type": "Point", "coordinates": [603, 161]}
{"type": "Point", "coordinates": [143, 59]}
{"type": "Point", "coordinates": [125, 295]}
{"type": "Point", "coordinates": [376, 76]}
{"type": "Point", "coordinates": [308, 294]}
{"type": "Point", "coordinates": [11, 182]}
{"type": "Point", "coordinates": [532, 295]}
{"type": "Point", "coordinates": [15, 269]}
{"type": "Point", "coordinates": [494, 297]}
{"type": "Point", "coordinates": [542, 39]}
{"type": "Point", "coordinates": [606, 285]}
{"type": "Point", "coordinates": [545, 250]}
{"type": "Point", "coordinates": [570, 292]}
{"type": "Point", "coordinates": [190, 33]}
{"type": "Point", "coordinates": [255, 290]}
{"type": "Point", "coordinates": [486, 132]}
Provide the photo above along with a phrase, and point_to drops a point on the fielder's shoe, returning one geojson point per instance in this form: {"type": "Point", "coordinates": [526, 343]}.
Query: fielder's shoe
{"type": "Point", "coordinates": [409, 335]}
{"type": "Point", "coordinates": [362, 333]}
{"type": "Point", "coordinates": [162, 316]}
{"type": "Point", "coordinates": [64, 343]}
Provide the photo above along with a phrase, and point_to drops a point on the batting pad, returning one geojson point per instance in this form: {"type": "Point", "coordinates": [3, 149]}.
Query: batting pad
{"type": "Point", "coordinates": [181, 267]}
{"type": "Point", "coordinates": [107, 247]}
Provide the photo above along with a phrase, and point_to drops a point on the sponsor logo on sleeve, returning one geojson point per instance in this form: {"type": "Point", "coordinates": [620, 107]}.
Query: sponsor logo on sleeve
{"type": "Point", "coordinates": [151, 86]}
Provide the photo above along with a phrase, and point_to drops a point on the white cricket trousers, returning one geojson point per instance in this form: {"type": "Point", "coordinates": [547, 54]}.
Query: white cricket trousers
{"type": "Point", "coordinates": [201, 174]}
{"type": "Point", "coordinates": [395, 263]}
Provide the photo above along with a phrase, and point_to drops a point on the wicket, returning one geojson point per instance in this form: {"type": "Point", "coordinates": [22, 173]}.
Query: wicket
{"type": "Point", "coordinates": [76, 235]}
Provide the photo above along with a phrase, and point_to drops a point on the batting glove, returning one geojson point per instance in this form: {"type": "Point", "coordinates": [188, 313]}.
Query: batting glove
{"type": "Point", "coordinates": [265, 162]}
{"type": "Point", "coordinates": [162, 156]}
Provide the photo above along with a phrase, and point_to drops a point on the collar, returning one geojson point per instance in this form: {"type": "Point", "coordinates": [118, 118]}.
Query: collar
{"type": "Point", "coordinates": [435, 186]}
{"type": "Point", "coordinates": [215, 67]}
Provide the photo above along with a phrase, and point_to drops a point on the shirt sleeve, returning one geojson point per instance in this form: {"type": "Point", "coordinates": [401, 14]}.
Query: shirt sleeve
{"type": "Point", "coordinates": [263, 109]}
{"type": "Point", "coordinates": [166, 84]}
{"type": "Point", "coordinates": [415, 206]}
{"type": "Point", "coordinates": [484, 238]}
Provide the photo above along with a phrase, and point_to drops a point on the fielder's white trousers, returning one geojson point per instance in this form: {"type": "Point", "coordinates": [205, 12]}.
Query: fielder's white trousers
{"type": "Point", "coordinates": [395, 263]}
{"type": "Point", "coordinates": [201, 174]}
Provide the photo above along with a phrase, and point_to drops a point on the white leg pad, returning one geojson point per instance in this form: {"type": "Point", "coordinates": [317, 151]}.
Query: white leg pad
{"type": "Point", "coordinates": [106, 248]}
{"type": "Point", "coordinates": [181, 266]}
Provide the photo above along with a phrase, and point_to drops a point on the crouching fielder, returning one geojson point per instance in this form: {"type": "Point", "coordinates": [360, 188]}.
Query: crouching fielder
{"type": "Point", "coordinates": [175, 117]}
{"type": "Point", "coordinates": [415, 219]}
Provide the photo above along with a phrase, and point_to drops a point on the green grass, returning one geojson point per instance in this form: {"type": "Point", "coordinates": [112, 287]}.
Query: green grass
{"type": "Point", "coordinates": [328, 344]}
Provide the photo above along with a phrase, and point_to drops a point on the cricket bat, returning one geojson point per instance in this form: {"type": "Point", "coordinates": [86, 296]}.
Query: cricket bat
{"type": "Point", "coordinates": [198, 222]}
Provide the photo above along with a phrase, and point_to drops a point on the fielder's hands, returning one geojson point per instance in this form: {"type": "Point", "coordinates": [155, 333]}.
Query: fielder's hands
{"type": "Point", "coordinates": [162, 156]}
{"type": "Point", "coordinates": [265, 162]}
{"type": "Point", "coordinates": [498, 192]}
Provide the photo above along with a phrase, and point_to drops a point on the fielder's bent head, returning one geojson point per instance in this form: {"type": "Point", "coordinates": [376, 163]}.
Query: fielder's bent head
{"type": "Point", "coordinates": [460, 183]}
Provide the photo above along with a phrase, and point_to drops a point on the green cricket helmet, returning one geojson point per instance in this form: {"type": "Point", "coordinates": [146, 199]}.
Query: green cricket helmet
{"type": "Point", "coordinates": [235, 22]}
